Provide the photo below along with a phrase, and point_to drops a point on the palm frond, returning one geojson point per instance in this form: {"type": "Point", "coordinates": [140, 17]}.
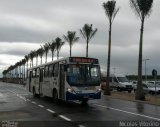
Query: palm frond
{"type": "Point", "coordinates": [142, 8]}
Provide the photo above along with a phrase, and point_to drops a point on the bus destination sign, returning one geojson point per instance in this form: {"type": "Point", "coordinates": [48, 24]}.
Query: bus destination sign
{"type": "Point", "coordinates": [83, 60]}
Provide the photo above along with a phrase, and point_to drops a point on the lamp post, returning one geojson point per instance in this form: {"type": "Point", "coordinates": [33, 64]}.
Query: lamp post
{"type": "Point", "coordinates": [145, 60]}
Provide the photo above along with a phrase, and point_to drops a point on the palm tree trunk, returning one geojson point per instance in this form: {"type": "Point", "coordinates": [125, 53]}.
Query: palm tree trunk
{"type": "Point", "coordinates": [70, 51]}
{"type": "Point", "coordinates": [52, 55]}
{"type": "Point", "coordinates": [24, 72]}
{"type": "Point", "coordinates": [87, 48]}
{"type": "Point", "coordinates": [32, 62]}
{"type": "Point", "coordinates": [107, 90]}
{"type": "Point", "coordinates": [36, 60]}
{"type": "Point", "coordinates": [46, 58]}
{"type": "Point", "coordinates": [41, 59]}
{"type": "Point", "coordinates": [139, 91]}
{"type": "Point", "coordinates": [57, 54]}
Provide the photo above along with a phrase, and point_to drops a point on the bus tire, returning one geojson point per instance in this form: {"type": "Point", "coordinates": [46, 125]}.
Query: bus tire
{"type": "Point", "coordinates": [129, 91]}
{"type": "Point", "coordinates": [55, 96]}
{"type": "Point", "coordinates": [84, 102]}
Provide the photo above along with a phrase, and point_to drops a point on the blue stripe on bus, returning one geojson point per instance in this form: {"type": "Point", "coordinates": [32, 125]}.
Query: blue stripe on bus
{"type": "Point", "coordinates": [82, 96]}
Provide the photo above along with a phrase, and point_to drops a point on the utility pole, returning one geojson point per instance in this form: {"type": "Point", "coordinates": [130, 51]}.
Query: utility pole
{"type": "Point", "coordinates": [145, 60]}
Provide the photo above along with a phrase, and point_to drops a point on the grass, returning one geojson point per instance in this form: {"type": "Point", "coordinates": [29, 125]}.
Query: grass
{"type": "Point", "coordinates": [150, 99]}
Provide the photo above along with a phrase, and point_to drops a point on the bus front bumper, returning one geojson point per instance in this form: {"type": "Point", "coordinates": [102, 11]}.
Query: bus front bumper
{"type": "Point", "coordinates": [83, 96]}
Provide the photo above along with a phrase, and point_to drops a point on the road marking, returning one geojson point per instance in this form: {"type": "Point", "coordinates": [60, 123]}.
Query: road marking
{"type": "Point", "coordinates": [127, 112]}
{"type": "Point", "coordinates": [81, 125]}
{"type": "Point", "coordinates": [28, 100]}
{"type": "Point", "coordinates": [41, 106]}
{"type": "Point", "coordinates": [64, 117]}
{"type": "Point", "coordinates": [33, 102]}
{"type": "Point", "coordinates": [50, 110]}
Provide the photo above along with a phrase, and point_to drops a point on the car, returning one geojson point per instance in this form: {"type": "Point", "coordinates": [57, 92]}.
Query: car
{"type": "Point", "coordinates": [149, 88]}
{"type": "Point", "coordinates": [153, 82]}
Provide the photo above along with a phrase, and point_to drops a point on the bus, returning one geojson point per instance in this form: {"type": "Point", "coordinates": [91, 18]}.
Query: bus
{"type": "Point", "coordinates": [68, 79]}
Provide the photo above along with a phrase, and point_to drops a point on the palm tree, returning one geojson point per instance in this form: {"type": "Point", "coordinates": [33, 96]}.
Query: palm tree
{"type": "Point", "coordinates": [52, 47]}
{"type": "Point", "coordinates": [36, 55]}
{"type": "Point", "coordinates": [71, 38]}
{"type": "Point", "coordinates": [32, 55]}
{"type": "Point", "coordinates": [87, 33]}
{"type": "Point", "coordinates": [27, 58]}
{"type": "Point", "coordinates": [23, 63]}
{"type": "Point", "coordinates": [41, 52]}
{"type": "Point", "coordinates": [59, 43]}
{"type": "Point", "coordinates": [110, 11]}
{"type": "Point", "coordinates": [46, 49]}
{"type": "Point", "coordinates": [142, 9]}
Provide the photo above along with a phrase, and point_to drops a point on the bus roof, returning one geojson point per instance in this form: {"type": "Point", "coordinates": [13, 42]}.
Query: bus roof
{"type": "Point", "coordinates": [69, 59]}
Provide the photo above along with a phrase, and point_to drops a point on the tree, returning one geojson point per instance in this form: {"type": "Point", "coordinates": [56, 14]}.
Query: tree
{"type": "Point", "coordinates": [110, 11]}
{"type": "Point", "coordinates": [27, 58]}
{"type": "Point", "coordinates": [46, 49]}
{"type": "Point", "coordinates": [52, 47]}
{"type": "Point", "coordinates": [71, 39]}
{"type": "Point", "coordinates": [23, 71]}
{"type": "Point", "coordinates": [36, 55]}
{"type": "Point", "coordinates": [87, 33]}
{"type": "Point", "coordinates": [143, 9]}
{"type": "Point", "coordinates": [41, 52]}
{"type": "Point", "coordinates": [32, 55]}
{"type": "Point", "coordinates": [59, 43]}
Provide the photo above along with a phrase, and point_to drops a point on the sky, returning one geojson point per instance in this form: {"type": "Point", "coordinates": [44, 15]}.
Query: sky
{"type": "Point", "coordinates": [27, 24]}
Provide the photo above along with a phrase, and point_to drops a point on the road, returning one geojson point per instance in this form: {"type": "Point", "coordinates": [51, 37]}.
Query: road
{"type": "Point", "coordinates": [16, 104]}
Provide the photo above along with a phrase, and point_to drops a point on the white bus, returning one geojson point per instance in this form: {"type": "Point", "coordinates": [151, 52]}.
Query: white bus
{"type": "Point", "coordinates": [72, 78]}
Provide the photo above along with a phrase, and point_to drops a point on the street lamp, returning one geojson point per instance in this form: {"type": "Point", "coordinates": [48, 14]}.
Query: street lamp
{"type": "Point", "coordinates": [145, 60]}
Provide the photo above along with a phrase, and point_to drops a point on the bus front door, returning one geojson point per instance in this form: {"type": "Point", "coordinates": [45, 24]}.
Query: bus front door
{"type": "Point", "coordinates": [62, 83]}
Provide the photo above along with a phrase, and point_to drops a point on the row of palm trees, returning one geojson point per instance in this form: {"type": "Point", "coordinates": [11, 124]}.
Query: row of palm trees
{"type": "Point", "coordinates": [15, 71]}
{"type": "Point", "coordinates": [141, 7]}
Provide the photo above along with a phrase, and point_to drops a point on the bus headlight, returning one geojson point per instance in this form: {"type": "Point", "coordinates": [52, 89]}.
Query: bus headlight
{"type": "Point", "coordinates": [98, 90]}
{"type": "Point", "coordinates": [70, 90]}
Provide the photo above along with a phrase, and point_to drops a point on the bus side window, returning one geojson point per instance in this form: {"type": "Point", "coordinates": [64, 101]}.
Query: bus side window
{"type": "Point", "coordinates": [56, 67]}
{"type": "Point", "coordinates": [50, 70]}
{"type": "Point", "coordinates": [33, 73]}
{"type": "Point", "coordinates": [46, 71]}
{"type": "Point", "coordinates": [37, 72]}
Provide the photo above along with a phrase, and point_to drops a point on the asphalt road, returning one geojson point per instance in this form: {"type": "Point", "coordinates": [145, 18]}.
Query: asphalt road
{"type": "Point", "coordinates": [18, 105]}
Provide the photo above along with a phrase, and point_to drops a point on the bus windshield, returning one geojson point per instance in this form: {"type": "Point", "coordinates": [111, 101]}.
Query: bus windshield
{"type": "Point", "coordinates": [83, 74]}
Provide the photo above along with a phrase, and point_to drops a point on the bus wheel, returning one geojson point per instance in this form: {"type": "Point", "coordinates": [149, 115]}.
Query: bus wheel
{"type": "Point", "coordinates": [129, 91]}
{"type": "Point", "coordinates": [84, 102]}
{"type": "Point", "coordinates": [55, 96]}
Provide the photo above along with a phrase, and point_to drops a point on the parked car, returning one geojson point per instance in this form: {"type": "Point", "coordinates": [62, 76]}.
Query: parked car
{"type": "Point", "coordinates": [149, 88]}
{"type": "Point", "coordinates": [153, 82]}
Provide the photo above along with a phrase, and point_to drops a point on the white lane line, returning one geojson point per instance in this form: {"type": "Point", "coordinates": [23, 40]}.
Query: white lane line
{"type": "Point", "coordinates": [23, 98]}
{"type": "Point", "coordinates": [28, 100]}
{"type": "Point", "coordinates": [150, 117]}
{"type": "Point", "coordinates": [41, 106]}
{"type": "Point", "coordinates": [33, 102]}
{"type": "Point", "coordinates": [81, 125]}
{"type": "Point", "coordinates": [64, 117]}
{"type": "Point", "coordinates": [50, 110]}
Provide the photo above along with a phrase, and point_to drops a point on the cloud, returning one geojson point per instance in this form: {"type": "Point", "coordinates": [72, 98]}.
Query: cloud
{"type": "Point", "coordinates": [27, 24]}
